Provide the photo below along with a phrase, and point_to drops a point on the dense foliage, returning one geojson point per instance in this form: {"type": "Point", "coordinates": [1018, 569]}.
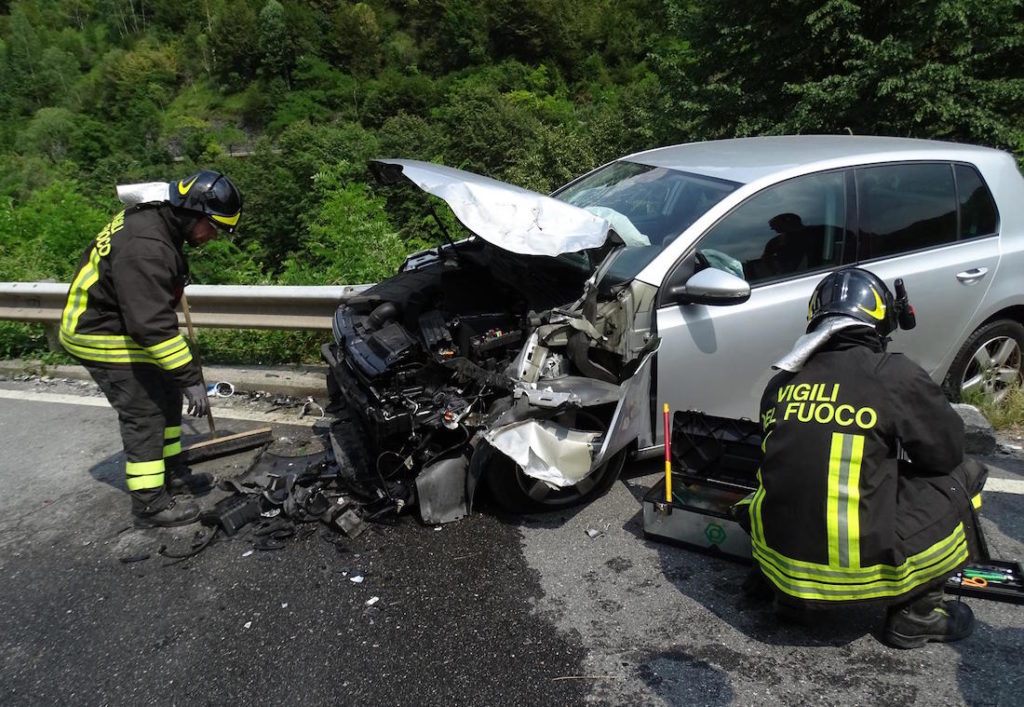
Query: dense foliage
{"type": "Point", "coordinates": [291, 97]}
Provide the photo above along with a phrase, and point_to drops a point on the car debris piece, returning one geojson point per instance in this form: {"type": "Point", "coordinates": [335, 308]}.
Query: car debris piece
{"type": "Point", "coordinates": [350, 523]}
{"type": "Point", "coordinates": [441, 491]}
{"type": "Point", "coordinates": [231, 514]}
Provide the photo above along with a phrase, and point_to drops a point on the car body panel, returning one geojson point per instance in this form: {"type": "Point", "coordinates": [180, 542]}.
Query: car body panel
{"type": "Point", "coordinates": [945, 307]}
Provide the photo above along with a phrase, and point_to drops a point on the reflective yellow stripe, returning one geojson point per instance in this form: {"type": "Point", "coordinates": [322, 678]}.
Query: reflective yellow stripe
{"type": "Point", "coordinates": [172, 441]}
{"type": "Point", "coordinates": [756, 526]}
{"type": "Point", "coordinates": [104, 341]}
{"type": "Point", "coordinates": [843, 505]}
{"type": "Point", "coordinates": [853, 500]}
{"type": "Point", "coordinates": [809, 581]}
{"type": "Point", "coordinates": [915, 571]}
{"type": "Point", "coordinates": [118, 348]}
{"type": "Point", "coordinates": [145, 475]}
{"type": "Point", "coordinates": [143, 468]}
{"type": "Point", "coordinates": [171, 354]}
{"type": "Point", "coordinates": [976, 501]}
{"type": "Point", "coordinates": [835, 463]}
{"type": "Point", "coordinates": [141, 483]}
{"type": "Point", "coordinates": [78, 295]}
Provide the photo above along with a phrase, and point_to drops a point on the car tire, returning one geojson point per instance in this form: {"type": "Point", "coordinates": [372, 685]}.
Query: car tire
{"type": "Point", "coordinates": [990, 361]}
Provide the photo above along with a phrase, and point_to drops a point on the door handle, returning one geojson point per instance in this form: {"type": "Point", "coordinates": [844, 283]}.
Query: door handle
{"type": "Point", "coordinates": [972, 276]}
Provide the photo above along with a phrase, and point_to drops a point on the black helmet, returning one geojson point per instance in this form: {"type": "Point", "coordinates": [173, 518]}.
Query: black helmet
{"type": "Point", "coordinates": [856, 293]}
{"type": "Point", "coordinates": [209, 193]}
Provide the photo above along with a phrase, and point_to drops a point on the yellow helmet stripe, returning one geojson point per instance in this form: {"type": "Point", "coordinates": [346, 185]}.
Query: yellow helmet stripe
{"type": "Point", "coordinates": [226, 220]}
{"type": "Point", "coordinates": [879, 311]}
{"type": "Point", "coordinates": [183, 188]}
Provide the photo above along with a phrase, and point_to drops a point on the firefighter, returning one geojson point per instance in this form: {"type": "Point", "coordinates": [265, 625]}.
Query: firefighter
{"type": "Point", "coordinates": [120, 323]}
{"type": "Point", "coordinates": [864, 494]}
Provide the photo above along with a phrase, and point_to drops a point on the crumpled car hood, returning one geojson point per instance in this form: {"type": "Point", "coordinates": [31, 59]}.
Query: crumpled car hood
{"type": "Point", "coordinates": [504, 215]}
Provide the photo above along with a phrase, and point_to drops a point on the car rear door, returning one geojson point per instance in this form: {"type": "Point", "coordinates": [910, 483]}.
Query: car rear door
{"type": "Point", "coordinates": [936, 226]}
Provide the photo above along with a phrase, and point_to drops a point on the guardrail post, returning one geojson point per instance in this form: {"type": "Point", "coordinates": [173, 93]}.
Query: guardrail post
{"type": "Point", "coordinates": [52, 332]}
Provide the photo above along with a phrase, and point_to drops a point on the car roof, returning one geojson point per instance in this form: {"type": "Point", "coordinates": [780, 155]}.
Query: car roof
{"type": "Point", "coordinates": [744, 160]}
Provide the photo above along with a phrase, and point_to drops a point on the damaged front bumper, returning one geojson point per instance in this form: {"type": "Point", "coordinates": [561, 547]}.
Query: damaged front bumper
{"type": "Point", "coordinates": [556, 453]}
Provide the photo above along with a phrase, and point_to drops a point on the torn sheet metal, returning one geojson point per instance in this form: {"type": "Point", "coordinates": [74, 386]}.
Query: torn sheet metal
{"type": "Point", "coordinates": [632, 417]}
{"type": "Point", "coordinates": [574, 390]}
{"type": "Point", "coordinates": [507, 216]}
{"type": "Point", "coordinates": [441, 491]}
{"type": "Point", "coordinates": [143, 193]}
{"type": "Point", "coordinates": [547, 451]}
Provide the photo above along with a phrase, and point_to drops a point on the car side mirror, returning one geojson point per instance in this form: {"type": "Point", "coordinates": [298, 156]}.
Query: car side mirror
{"type": "Point", "coordinates": [711, 286]}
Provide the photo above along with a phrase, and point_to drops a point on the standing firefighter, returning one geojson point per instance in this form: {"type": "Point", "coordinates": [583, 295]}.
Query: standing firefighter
{"type": "Point", "coordinates": [120, 323]}
{"type": "Point", "coordinates": [840, 515]}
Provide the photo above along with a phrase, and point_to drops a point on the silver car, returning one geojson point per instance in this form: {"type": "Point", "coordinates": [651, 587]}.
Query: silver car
{"type": "Point", "coordinates": [537, 353]}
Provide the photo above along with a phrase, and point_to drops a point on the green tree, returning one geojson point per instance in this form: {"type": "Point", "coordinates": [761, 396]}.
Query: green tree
{"type": "Point", "coordinates": [350, 239]}
{"type": "Point", "coordinates": [51, 133]}
{"type": "Point", "coordinates": [273, 41]}
{"type": "Point", "coordinates": [44, 236]}
{"type": "Point", "coordinates": [234, 34]}
{"type": "Point", "coordinates": [935, 68]}
{"type": "Point", "coordinates": [355, 37]}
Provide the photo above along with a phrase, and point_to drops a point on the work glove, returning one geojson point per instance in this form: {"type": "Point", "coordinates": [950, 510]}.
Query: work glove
{"type": "Point", "coordinates": [198, 403]}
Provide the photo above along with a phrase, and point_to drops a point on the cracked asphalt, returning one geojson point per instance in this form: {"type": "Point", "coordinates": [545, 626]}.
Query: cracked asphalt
{"type": "Point", "coordinates": [490, 610]}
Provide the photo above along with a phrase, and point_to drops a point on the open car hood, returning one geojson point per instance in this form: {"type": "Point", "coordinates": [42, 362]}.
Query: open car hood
{"type": "Point", "coordinates": [504, 215]}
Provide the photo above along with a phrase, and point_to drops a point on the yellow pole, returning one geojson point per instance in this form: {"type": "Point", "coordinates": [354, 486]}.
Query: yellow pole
{"type": "Point", "coordinates": [668, 458]}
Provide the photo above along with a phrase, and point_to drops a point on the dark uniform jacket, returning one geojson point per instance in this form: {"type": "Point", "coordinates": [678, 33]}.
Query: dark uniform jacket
{"type": "Point", "coordinates": [836, 517]}
{"type": "Point", "coordinates": [120, 308]}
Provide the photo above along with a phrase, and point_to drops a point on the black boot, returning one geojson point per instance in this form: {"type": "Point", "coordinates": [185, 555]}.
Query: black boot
{"type": "Point", "coordinates": [179, 479]}
{"type": "Point", "coordinates": [928, 618]}
{"type": "Point", "coordinates": [156, 509]}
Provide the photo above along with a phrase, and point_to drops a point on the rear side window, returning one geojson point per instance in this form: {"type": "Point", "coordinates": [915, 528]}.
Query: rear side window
{"type": "Point", "coordinates": [978, 215]}
{"type": "Point", "coordinates": [905, 207]}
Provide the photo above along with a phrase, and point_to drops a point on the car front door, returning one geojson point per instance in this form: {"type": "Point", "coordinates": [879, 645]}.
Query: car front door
{"type": "Point", "coordinates": [781, 240]}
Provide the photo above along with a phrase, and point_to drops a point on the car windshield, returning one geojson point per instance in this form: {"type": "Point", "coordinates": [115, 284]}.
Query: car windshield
{"type": "Point", "coordinates": [647, 206]}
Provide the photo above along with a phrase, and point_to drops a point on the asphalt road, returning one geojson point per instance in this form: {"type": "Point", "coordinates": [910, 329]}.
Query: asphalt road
{"type": "Point", "coordinates": [490, 610]}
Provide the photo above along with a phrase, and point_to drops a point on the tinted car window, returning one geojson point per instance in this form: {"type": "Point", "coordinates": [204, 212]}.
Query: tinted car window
{"type": "Point", "coordinates": [795, 227]}
{"type": "Point", "coordinates": [905, 207]}
{"type": "Point", "coordinates": [978, 215]}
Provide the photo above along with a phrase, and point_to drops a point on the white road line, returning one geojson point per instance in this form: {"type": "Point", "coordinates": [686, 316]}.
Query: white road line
{"type": "Point", "coordinates": [1014, 486]}
{"type": "Point", "coordinates": [1003, 486]}
{"type": "Point", "coordinates": [228, 413]}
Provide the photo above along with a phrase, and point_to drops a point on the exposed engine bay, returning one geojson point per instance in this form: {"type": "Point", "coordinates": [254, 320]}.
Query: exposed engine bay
{"type": "Point", "coordinates": [474, 362]}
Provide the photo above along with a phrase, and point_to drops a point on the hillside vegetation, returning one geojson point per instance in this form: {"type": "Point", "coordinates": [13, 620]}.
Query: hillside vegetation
{"type": "Point", "coordinates": [290, 98]}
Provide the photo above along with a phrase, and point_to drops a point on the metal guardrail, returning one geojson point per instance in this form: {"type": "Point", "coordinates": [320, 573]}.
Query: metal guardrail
{"type": "Point", "coordinates": [218, 306]}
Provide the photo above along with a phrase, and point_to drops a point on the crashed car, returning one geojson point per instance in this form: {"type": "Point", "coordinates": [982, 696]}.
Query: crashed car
{"type": "Point", "coordinates": [534, 355]}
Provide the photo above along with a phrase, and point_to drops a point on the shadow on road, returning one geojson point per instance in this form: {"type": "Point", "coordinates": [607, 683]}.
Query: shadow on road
{"type": "Point", "coordinates": [110, 470]}
{"type": "Point", "coordinates": [715, 583]}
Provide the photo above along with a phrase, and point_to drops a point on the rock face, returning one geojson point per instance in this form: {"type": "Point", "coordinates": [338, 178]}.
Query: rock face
{"type": "Point", "coordinates": [981, 438]}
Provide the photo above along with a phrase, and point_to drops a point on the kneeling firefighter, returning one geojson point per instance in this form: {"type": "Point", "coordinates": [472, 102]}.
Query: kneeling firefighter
{"type": "Point", "coordinates": [120, 323]}
{"type": "Point", "coordinates": [864, 494]}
